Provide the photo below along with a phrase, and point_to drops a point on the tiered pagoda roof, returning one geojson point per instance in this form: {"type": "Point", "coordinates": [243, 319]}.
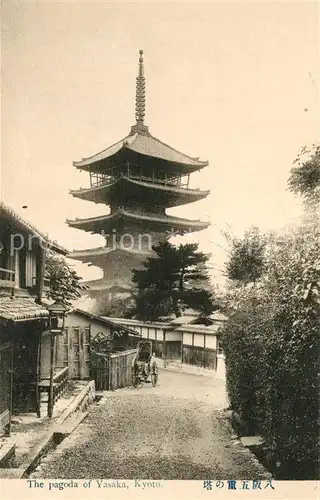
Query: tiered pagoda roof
{"type": "Point", "coordinates": [138, 177]}
{"type": "Point", "coordinates": [140, 145]}
{"type": "Point", "coordinates": [136, 188]}
{"type": "Point", "coordinates": [105, 223]}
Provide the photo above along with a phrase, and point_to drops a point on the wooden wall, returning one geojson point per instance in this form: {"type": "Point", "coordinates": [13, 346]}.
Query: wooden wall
{"type": "Point", "coordinates": [77, 321]}
{"type": "Point", "coordinates": [112, 371]}
{"type": "Point", "coordinates": [5, 383]}
{"type": "Point", "coordinates": [199, 356]}
{"type": "Point", "coordinates": [198, 348]}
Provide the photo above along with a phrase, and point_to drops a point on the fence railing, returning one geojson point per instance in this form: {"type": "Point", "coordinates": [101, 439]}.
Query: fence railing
{"type": "Point", "coordinates": [133, 172]}
{"type": "Point", "coordinates": [60, 383]}
{"type": "Point", "coordinates": [7, 278]}
{"type": "Point", "coordinates": [112, 371]}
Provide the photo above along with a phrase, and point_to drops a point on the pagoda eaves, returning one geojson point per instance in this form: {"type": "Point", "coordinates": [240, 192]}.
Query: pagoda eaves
{"type": "Point", "coordinates": [139, 177]}
{"type": "Point", "coordinates": [162, 192]}
{"type": "Point", "coordinates": [141, 148]}
{"type": "Point", "coordinates": [106, 223]}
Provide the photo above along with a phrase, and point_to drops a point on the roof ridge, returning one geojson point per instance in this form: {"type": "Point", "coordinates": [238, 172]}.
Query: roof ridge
{"type": "Point", "coordinates": [179, 152]}
{"type": "Point", "coordinates": [103, 150]}
{"type": "Point", "coordinates": [144, 183]}
{"type": "Point", "coordinates": [134, 214]}
{"type": "Point", "coordinates": [30, 226]}
{"type": "Point", "coordinates": [109, 250]}
{"type": "Point", "coordinates": [171, 188]}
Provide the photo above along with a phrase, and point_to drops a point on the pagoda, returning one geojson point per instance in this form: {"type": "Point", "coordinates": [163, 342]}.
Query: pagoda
{"type": "Point", "coordinates": [138, 177]}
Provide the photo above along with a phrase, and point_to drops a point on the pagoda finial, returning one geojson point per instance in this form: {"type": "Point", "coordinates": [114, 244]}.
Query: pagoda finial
{"type": "Point", "coordinates": [140, 92]}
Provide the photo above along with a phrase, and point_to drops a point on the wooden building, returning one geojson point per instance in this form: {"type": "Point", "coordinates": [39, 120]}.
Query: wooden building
{"type": "Point", "coordinates": [23, 320]}
{"type": "Point", "coordinates": [81, 327]}
{"type": "Point", "coordinates": [186, 341]}
{"type": "Point", "coordinates": [139, 178]}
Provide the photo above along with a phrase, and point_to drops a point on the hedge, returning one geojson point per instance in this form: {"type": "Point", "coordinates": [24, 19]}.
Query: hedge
{"type": "Point", "coordinates": [272, 356]}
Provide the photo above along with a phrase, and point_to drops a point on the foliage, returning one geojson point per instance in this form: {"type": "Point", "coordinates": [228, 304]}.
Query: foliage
{"type": "Point", "coordinates": [246, 256]}
{"type": "Point", "coordinates": [304, 177]}
{"type": "Point", "coordinates": [64, 281]}
{"type": "Point", "coordinates": [272, 358]}
{"type": "Point", "coordinates": [175, 278]}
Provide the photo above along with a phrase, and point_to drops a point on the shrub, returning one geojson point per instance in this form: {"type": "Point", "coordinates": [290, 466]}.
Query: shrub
{"type": "Point", "coordinates": [272, 357]}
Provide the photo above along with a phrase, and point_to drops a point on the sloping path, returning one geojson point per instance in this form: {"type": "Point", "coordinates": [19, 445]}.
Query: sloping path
{"type": "Point", "coordinates": [176, 430]}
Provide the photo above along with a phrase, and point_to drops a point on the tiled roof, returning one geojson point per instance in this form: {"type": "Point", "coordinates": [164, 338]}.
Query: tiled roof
{"type": "Point", "coordinates": [182, 320]}
{"type": "Point", "coordinates": [96, 252]}
{"type": "Point", "coordinates": [102, 319]}
{"type": "Point", "coordinates": [164, 219]}
{"type": "Point", "coordinates": [144, 144]}
{"type": "Point", "coordinates": [103, 188]}
{"type": "Point", "coordinates": [5, 210]}
{"type": "Point", "coordinates": [18, 308]}
{"type": "Point", "coordinates": [210, 329]}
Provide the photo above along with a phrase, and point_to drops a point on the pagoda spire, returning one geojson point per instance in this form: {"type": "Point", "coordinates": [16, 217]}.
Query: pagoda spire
{"type": "Point", "coordinates": [140, 105]}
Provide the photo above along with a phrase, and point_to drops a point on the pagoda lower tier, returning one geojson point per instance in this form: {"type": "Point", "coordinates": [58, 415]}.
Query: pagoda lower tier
{"type": "Point", "coordinates": [117, 265]}
{"type": "Point", "coordinates": [111, 256]}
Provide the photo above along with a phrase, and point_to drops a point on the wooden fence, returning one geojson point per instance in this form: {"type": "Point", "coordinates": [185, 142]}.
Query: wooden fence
{"type": "Point", "coordinates": [199, 356]}
{"type": "Point", "coordinates": [112, 371]}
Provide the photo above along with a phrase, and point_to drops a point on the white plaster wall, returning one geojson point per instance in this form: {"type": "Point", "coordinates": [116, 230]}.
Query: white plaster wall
{"type": "Point", "coordinates": [173, 336]}
{"type": "Point", "coordinates": [211, 341]}
{"type": "Point", "coordinates": [198, 340]}
{"type": "Point", "coordinates": [221, 367]}
{"type": "Point", "coordinates": [159, 334]}
{"type": "Point", "coordinates": [187, 338]}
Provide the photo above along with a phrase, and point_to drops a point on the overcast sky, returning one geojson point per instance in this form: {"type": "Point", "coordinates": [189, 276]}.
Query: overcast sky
{"type": "Point", "coordinates": [234, 83]}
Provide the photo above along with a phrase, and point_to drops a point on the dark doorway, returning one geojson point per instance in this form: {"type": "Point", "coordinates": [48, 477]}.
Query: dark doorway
{"type": "Point", "coordinates": [22, 268]}
{"type": "Point", "coordinates": [173, 349]}
{"type": "Point", "coordinates": [25, 375]}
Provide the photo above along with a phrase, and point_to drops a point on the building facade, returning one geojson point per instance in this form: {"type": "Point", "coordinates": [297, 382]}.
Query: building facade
{"type": "Point", "coordinates": [23, 318]}
{"type": "Point", "coordinates": [139, 178]}
{"type": "Point", "coordinates": [190, 344]}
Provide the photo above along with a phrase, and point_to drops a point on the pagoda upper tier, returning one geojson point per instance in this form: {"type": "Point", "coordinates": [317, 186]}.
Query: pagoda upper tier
{"type": "Point", "coordinates": [133, 184]}
{"type": "Point", "coordinates": [140, 148]}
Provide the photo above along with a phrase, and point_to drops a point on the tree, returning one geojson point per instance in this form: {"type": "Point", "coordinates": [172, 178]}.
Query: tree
{"type": "Point", "coordinates": [172, 280]}
{"type": "Point", "coordinates": [304, 177]}
{"type": "Point", "coordinates": [246, 256]}
{"type": "Point", "coordinates": [64, 281]}
{"type": "Point", "coordinates": [272, 356]}
{"type": "Point", "coordinates": [271, 337]}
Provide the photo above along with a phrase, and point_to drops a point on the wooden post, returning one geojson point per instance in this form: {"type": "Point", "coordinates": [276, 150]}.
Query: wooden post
{"type": "Point", "coordinates": [110, 366]}
{"type": "Point", "coordinates": [182, 334]}
{"type": "Point", "coordinates": [188, 181]}
{"type": "Point", "coordinates": [50, 399]}
{"type": "Point", "coordinates": [11, 387]}
{"type": "Point", "coordinates": [41, 272]}
{"type": "Point", "coordinates": [38, 402]}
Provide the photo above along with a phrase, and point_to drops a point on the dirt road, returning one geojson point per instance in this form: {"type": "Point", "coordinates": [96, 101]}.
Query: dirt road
{"type": "Point", "coordinates": [176, 430]}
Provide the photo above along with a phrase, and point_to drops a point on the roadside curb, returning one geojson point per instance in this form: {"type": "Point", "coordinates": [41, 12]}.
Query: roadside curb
{"type": "Point", "coordinates": [81, 401]}
{"type": "Point", "coordinates": [265, 474]}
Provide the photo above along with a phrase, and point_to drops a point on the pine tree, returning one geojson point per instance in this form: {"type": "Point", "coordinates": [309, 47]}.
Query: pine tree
{"type": "Point", "coordinates": [172, 280]}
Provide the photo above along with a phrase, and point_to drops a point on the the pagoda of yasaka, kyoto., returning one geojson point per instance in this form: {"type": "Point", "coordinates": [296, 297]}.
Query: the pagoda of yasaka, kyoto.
{"type": "Point", "coordinates": [139, 177]}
